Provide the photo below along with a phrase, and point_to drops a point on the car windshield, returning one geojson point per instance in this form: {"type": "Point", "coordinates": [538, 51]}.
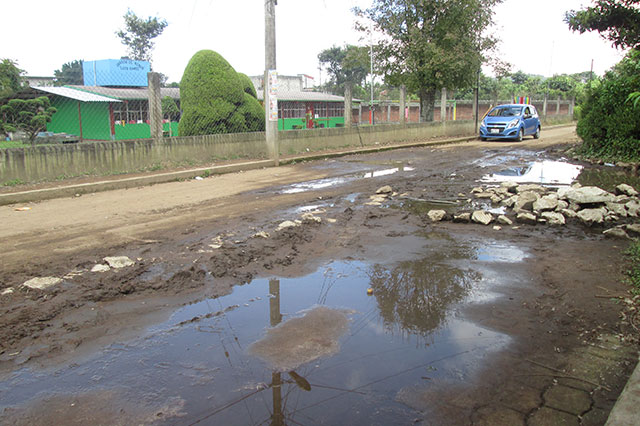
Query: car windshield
{"type": "Point", "coordinates": [505, 112]}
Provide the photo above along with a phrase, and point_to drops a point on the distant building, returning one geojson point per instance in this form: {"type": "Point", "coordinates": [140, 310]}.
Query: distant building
{"type": "Point", "coordinates": [40, 81]}
{"type": "Point", "coordinates": [299, 107]}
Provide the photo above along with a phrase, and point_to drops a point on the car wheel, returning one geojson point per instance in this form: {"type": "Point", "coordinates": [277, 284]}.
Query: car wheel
{"type": "Point", "coordinates": [520, 135]}
{"type": "Point", "coordinates": [536, 135]}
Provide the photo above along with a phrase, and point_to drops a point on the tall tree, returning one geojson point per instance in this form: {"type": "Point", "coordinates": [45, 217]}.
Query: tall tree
{"type": "Point", "coordinates": [347, 65]}
{"type": "Point", "coordinates": [10, 78]}
{"type": "Point", "coordinates": [615, 20]}
{"type": "Point", "coordinates": [69, 73]}
{"type": "Point", "coordinates": [431, 44]}
{"type": "Point", "coordinates": [139, 33]}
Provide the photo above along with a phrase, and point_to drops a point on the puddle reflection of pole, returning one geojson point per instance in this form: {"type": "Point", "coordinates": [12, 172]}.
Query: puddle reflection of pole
{"type": "Point", "coordinates": [277, 418]}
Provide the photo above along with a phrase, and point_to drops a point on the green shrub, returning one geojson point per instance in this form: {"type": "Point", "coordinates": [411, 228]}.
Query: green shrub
{"type": "Point", "coordinates": [247, 85]}
{"type": "Point", "coordinates": [609, 125]}
{"type": "Point", "coordinates": [214, 98]}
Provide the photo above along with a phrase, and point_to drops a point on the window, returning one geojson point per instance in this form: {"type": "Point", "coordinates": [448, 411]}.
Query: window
{"type": "Point", "coordinates": [135, 111]}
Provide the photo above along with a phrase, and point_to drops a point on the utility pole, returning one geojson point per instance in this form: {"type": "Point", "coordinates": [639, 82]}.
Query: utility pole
{"type": "Point", "coordinates": [371, 61]}
{"type": "Point", "coordinates": [270, 80]}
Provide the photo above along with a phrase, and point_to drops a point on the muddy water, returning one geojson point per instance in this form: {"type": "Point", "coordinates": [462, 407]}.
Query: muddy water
{"type": "Point", "coordinates": [367, 350]}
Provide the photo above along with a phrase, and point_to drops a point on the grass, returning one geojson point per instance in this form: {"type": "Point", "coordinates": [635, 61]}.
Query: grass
{"type": "Point", "coordinates": [633, 252]}
{"type": "Point", "coordinates": [14, 182]}
{"type": "Point", "coordinates": [14, 144]}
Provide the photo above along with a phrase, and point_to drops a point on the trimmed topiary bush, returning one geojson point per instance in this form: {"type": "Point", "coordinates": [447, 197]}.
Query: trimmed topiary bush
{"type": "Point", "coordinates": [247, 85]}
{"type": "Point", "coordinates": [214, 98]}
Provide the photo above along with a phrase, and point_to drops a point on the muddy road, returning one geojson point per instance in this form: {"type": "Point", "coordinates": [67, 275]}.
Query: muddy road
{"type": "Point", "coordinates": [290, 296]}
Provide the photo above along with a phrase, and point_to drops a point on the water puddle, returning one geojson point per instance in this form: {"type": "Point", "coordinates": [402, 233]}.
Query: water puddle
{"type": "Point", "coordinates": [608, 178]}
{"type": "Point", "coordinates": [541, 172]}
{"type": "Point", "coordinates": [314, 185]}
{"type": "Point", "coordinates": [337, 346]}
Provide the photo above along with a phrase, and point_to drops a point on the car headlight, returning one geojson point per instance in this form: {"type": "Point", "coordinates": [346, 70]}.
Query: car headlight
{"type": "Point", "coordinates": [513, 123]}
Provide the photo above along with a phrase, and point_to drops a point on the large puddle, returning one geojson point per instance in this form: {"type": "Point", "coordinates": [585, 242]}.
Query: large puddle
{"type": "Point", "coordinates": [338, 346]}
{"type": "Point", "coordinates": [341, 180]}
{"type": "Point", "coordinates": [541, 172]}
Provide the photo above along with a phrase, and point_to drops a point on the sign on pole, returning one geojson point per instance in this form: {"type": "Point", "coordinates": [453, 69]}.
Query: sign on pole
{"type": "Point", "coordinates": [273, 95]}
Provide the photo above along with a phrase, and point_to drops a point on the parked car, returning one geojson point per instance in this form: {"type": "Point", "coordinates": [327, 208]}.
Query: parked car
{"type": "Point", "coordinates": [510, 122]}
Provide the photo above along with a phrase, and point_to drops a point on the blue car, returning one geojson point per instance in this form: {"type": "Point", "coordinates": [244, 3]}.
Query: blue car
{"type": "Point", "coordinates": [510, 122]}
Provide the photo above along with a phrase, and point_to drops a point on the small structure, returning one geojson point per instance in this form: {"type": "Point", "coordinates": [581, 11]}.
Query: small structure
{"type": "Point", "coordinates": [111, 105]}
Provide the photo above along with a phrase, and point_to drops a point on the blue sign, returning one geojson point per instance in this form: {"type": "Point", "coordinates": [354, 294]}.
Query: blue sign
{"type": "Point", "coordinates": [116, 72]}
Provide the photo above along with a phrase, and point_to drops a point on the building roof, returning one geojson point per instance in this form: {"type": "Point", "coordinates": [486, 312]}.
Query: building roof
{"type": "Point", "coordinates": [305, 96]}
{"type": "Point", "coordinates": [128, 93]}
{"type": "Point", "coordinates": [78, 95]}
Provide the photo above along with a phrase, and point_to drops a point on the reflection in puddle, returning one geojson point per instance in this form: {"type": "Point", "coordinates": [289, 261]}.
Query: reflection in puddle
{"type": "Point", "coordinates": [313, 185]}
{"type": "Point", "coordinates": [608, 178]}
{"type": "Point", "coordinates": [542, 172]}
{"type": "Point", "coordinates": [352, 366]}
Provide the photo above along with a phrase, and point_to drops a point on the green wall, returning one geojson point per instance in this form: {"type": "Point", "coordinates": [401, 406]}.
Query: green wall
{"type": "Point", "coordinates": [95, 118]}
{"type": "Point", "coordinates": [289, 123]}
{"type": "Point", "coordinates": [142, 130]}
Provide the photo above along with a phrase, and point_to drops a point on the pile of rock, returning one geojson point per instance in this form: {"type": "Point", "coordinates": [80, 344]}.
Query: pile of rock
{"type": "Point", "coordinates": [534, 204]}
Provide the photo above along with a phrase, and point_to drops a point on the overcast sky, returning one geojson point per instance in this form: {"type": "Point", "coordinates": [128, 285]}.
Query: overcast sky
{"type": "Point", "coordinates": [42, 35]}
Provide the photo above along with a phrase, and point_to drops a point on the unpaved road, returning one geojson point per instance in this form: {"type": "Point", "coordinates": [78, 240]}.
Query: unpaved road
{"type": "Point", "coordinates": [202, 233]}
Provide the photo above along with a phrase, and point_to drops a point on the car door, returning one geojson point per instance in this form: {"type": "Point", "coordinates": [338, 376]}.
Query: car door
{"type": "Point", "coordinates": [529, 121]}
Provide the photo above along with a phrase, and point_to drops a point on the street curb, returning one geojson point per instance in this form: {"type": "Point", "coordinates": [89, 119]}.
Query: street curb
{"type": "Point", "coordinates": [151, 179]}
{"type": "Point", "coordinates": [625, 411]}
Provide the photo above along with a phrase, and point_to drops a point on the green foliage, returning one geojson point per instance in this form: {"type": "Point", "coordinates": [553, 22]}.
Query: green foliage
{"type": "Point", "coordinates": [247, 85]}
{"type": "Point", "coordinates": [139, 33]}
{"type": "Point", "coordinates": [610, 126]}
{"type": "Point", "coordinates": [170, 109]}
{"type": "Point", "coordinates": [615, 20]}
{"type": "Point", "coordinates": [214, 100]}
{"type": "Point", "coordinates": [635, 99]}
{"type": "Point", "coordinates": [30, 116]}
{"type": "Point", "coordinates": [10, 78]}
{"type": "Point", "coordinates": [347, 65]}
{"type": "Point", "coordinates": [633, 252]}
{"type": "Point", "coordinates": [69, 73]}
{"type": "Point", "coordinates": [431, 44]}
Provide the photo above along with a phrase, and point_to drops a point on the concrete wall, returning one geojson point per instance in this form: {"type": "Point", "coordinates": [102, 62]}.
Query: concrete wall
{"type": "Point", "coordinates": [49, 163]}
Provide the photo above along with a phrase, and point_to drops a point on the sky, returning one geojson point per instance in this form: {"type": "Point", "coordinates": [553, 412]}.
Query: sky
{"type": "Point", "coordinates": [47, 34]}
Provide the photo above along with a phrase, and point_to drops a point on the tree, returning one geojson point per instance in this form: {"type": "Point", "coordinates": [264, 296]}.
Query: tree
{"type": "Point", "coordinates": [70, 73]}
{"type": "Point", "coordinates": [215, 99]}
{"type": "Point", "coordinates": [346, 66]}
{"type": "Point", "coordinates": [615, 20]}
{"type": "Point", "coordinates": [139, 33]}
{"type": "Point", "coordinates": [10, 78]}
{"type": "Point", "coordinates": [170, 108]}
{"type": "Point", "coordinates": [30, 116]}
{"type": "Point", "coordinates": [431, 44]}
{"type": "Point", "coordinates": [609, 124]}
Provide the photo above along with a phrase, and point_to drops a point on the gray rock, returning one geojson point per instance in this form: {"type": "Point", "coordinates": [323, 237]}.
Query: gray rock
{"type": "Point", "coordinates": [495, 198]}
{"type": "Point", "coordinates": [553, 218]}
{"type": "Point", "coordinates": [616, 233]}
{"type": "Point", "coordinates": [592, 216]}
{"type": "Point", "coordinates": [569, 213]}
{"type": "Point", "coordinates": [384, 190]}
{"type": "Point", "coordinates": [100, 268]}
{"type": "Point", "coordinates": [532, 187]}
{"type": "Point", "coordinates": [503, 220]}
{"type": "Point", "coordinates": [42, 283]}
{"type": "Point", "coordinates": [562, 205]}
{"type": "Point", "coordinates": [617, 209]}
{"type": "Point", "coordinates": [117, 262]}
{"type": "Point", "coordinates": [633, 229]}
{"type": "Point", "coordinates": [525, 200]}
{"type": "Point", "coordinates": [525, 217]}
{"type": "Point", "coordinates": [436, 215]}
{"type": "Point", "coordinates": [509, 202]}
{"type": "Point", "coordinates": [482, 217]}
{"type": "Point", "coordinates": [624, 189]}
{"type": "Point", "coordinates": [622, 199]}
{"type": "Point", "coordinates": [587, 195]}
{"type": "Point", "coordinates": [546, 203]}
{"type": "Point", "coordinates": [484, 194]}
{"type": "Point", "coordinates": [633, 208]}
{"type": "Point", "coordinates": [477, 190]}
{"type": "Point", "coordinates": [462, 218]}
{"type": "Point", "coordinates": [509, 186]}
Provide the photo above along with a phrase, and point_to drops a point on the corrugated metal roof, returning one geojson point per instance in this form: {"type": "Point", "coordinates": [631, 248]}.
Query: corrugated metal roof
{"type": "Point", "coordinates": [128, 93]}
{"type": "Point", "coordinates": [305, 96]}
{"type": "Point", "coordinates": [78, 95]}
